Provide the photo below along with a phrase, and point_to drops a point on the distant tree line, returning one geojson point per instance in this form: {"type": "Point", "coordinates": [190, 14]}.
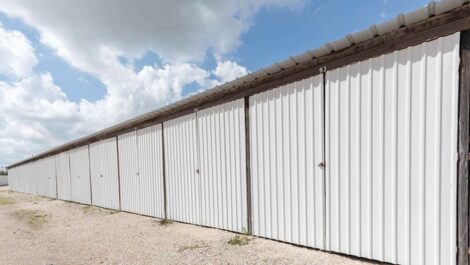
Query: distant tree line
{"type": "Point", "coordinates": [3, 172]}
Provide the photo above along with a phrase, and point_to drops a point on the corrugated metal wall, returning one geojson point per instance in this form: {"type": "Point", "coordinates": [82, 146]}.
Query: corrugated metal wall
{"type": "Point", "coordinates": [80, 175]}
{"type": "Point", "coordinates": [386, 128]}
{"type": "Point", "coordinates": [391, 127]}
{"type": "Point", "coordinates": [181, 161]}
{"type": "Point", "coordinates": [286, 143]}
{"type": "Point", "coordinates": [64, 182]}
{"type": "Point", "coordinates": [12, 179]}
{"type": "Point", "coordinates": [221, 132]}
{"type": "Point", "coordinates": [150, 148]}
{"type": "Point", "coordinates": [104, 174]}
{"type": "Point", "coordinates": [3, 180]}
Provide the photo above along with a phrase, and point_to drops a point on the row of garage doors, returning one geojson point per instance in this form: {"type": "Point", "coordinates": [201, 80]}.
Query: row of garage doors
{"type": "Point", "coordinates": [360, 160]}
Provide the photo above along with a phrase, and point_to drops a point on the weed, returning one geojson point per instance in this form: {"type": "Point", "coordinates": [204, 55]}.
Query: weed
{"type": "Point", "coordinates": [34, 218]}
{"type": "Point", "coordinates": [239, 240]}
{"type": "Point", "coordinates": [165, 222]}
{"type": "Point", "coordinates": [192, 247]}
{"type": "Point", "coordinates": [246, 232]}
{"type": "Point", "coordinates": [5, 201]}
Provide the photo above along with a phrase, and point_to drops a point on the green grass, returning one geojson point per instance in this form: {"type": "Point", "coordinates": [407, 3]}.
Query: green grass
{"type": "Point", "coordinates": [239, 240]}
{"type": "Point", "coordinates": [34, 218]}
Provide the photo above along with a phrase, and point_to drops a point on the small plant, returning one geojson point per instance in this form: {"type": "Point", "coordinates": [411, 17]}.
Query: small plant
{"type": "Point", "coordinates": [239, 240]}
{"type": "Point", "coordinates": [6, 201]}
{"type": "Point", "coordinates": [35, 219]}
{"type": "Point", "coordinates": [192, 247]}
{"type": "Point", "coordinates": [165, 222]}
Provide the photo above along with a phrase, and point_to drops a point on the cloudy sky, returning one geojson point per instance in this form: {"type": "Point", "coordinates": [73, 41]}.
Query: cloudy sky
{"type": "Point", "coordinates": [70, 68]}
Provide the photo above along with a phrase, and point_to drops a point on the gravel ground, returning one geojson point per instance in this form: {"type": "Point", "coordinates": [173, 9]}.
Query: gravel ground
{"type": "Point", "coordinates": [36, 230]}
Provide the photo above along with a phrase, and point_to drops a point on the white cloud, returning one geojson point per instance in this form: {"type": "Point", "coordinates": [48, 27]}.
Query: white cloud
{"type": "Point", "coordinates": [92, 36]}
{"type": "Point", "coordinates": [34, 114]}
{"type": "Point", "coordinates": [183, 30]}
{"type": "Point", "coordinates": [16, 53]}
{"type": "Point", "coordinates": [228, 71]}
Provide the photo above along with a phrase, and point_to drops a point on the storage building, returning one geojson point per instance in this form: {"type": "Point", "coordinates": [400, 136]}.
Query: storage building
{"type": "Point", "coordinates": [360, 147]}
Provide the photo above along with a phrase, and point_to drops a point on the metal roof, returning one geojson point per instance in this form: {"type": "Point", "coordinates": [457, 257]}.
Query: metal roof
{"type": "Point", "coordinates": [403, 20]}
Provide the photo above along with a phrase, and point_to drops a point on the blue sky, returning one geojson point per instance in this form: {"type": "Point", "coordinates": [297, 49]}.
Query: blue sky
{"type": "Point", "coordinates": [72, 68]}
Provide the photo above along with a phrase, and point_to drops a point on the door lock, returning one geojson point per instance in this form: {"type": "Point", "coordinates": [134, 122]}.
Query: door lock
{"type": "Point", "coordinates": [322, 164]}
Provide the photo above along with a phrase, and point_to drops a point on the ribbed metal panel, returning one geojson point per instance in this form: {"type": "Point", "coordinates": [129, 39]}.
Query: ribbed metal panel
{"type": "Point", "coordinates": [181, 161]}
{"type": "Point", "coordinates": [13, 179]}
{"type": "Point", "coordinates": [80, 175]}
{"type": "Point", "coordinates": [31, 178]}
{"type": "Point", "coordinates": [50, 177]}
{"type": "Point", "coordinates": [104, 174]}
{"type": "Point", "coordinates": [3, 180]}
{"type": "Point", "coordinates": [40, 176]}
{"type": "Point", "coordinates": [64, 183]}
{"type": "Point", "coordinates": [391, 138]}
{"type": "Point", "coordinates": [286, 142]}
{"type": "Point", "coordinates": [129, 172]}
{"type": "Point", "coordinates": [222, 157]}
{"type": "Point", "coordinates": [150, 155]}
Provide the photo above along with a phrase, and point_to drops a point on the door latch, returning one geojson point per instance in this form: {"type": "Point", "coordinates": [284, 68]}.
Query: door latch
{"type": "Point", "coordinates": [322, 164]}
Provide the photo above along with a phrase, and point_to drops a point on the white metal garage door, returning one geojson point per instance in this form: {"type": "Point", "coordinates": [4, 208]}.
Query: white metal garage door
{"type": "Point", "coordinates": [40, 176]}
{"type": "Point", "coordinates": [221, 131]}
{"type": "Point", "coordinates": [141, 171]}
{"type": "Point", "coordinates": [391, 126]}
{"type": "Point", "coordinates": [50, 175]}
{"type": "Point", "coordinates": [80, 175]}
{"type": "Point", "coordinates": [128, 172]}
{"type": "Point", "coordinates": [286, 143]}
{"type": "Point", "coordinates": [181, 164]}
{"type": "Point", "coordinates": [205, 167]}
{"type": "Point", "coordinates": [64, 183]}
{"type": "Point", "coordinates": [104, 174]}
{"type": "Point", "coordinates": [150, 148]}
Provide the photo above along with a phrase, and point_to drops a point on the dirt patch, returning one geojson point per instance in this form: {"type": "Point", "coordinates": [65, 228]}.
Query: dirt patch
{"type": "Point", "coordinates": [35, 219]}
{"type": "Point", "coordinates": [70, 233]}
{"type": "Point", "coordinates": [6, 200]}
{"type": "Point", "coordinates": [194, 246]}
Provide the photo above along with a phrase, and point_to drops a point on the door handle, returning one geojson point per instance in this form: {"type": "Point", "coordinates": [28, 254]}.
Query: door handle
{"type": "Point", "coordinates": [322, 164]}
{"type": "Point", "coordinates": [197, 171]}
